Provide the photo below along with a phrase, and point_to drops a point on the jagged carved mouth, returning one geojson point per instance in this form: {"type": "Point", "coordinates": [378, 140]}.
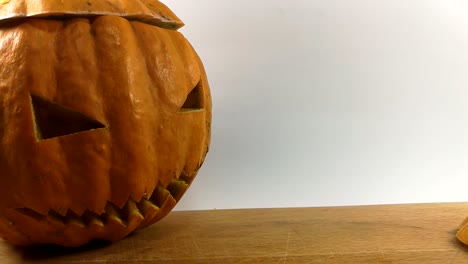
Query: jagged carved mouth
{"type": "Point", "coordinates": [114, 222]}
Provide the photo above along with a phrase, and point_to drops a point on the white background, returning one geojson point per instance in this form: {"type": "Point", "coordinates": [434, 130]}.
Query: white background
{"type": "Point", "coordinates": [332, 102]}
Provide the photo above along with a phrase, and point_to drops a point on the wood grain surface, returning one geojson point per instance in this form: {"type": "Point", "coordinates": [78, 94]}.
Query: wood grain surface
{"type": "Point", "coordinates": [416, 233]}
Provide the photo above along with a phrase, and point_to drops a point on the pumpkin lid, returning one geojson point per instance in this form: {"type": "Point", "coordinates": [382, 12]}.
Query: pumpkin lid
{"type": "Point", "coordinates": [147, 11]}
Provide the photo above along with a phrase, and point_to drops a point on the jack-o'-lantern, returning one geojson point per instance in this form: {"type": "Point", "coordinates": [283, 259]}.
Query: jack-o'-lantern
{"type": "Point", "coordinates": [105, 115]}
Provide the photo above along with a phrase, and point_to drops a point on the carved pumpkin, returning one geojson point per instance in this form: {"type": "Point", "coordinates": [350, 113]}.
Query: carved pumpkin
{"type": "Point", "coordinates": [105, 115]}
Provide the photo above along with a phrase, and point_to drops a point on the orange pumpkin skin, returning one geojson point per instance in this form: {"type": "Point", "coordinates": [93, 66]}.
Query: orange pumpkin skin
{"type": "Point", "coordinates": [146, 88]}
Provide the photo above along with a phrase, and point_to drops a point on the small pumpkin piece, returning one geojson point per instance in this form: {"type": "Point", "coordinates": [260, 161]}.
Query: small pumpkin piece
{"type": "Point", "coordinates": [462, 233]}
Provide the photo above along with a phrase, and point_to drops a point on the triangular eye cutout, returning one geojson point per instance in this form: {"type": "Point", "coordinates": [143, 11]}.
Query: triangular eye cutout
{"type": "Point", "coordinates": [52, 120]}
{"type": "Point", "coordinates": [194, 101]}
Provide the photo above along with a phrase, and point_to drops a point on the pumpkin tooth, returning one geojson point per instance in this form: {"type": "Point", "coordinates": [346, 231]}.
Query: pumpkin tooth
{"type": "Point", "coordinates": [76, 222]}
{"type": "Point", "coordinates": [73, 219]}
{"type": "Point", "coordinates": [177, 188]}
{"type": "Point", "coordinates": [92, 219]}
{"type": "Point", "coordinates": [56, 218]}
{"type": "Point", "coordinates": [112, 214]}
{"type": "Point", "coordinates": [63, 211]}
{"type": "Point", "coordinates": [133, 215]}
{"type": "Point", "coordinates": [131, 209]}
{"type": "Point", "coordinates": [149, 211]}
{"type": "Point", "coordinates": [115, 227]}
{"type": "Point", "coordinates": [166, 206]}
{"type": "Point", "coordinates": [146, 207]}
{"type": "Point", "coordinates": [159, 196]}
{"type": "Point", "coordinates": [186, 177]}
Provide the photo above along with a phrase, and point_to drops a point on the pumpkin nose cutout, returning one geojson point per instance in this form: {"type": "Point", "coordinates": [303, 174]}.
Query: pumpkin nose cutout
{"type": "Point", "coordinates": [194, 101]}
{"type": "Point", "coordinates": [52, 120]}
